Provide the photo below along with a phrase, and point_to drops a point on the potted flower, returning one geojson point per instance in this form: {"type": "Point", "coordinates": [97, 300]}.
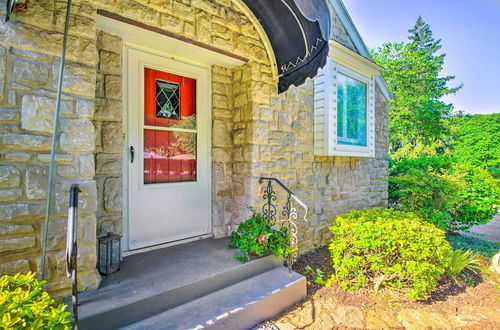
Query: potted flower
{"type": "Point", "coordinates": [255, 236]}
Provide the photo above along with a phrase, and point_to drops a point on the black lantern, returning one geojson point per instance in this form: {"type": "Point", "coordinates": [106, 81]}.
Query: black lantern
{"type": "Point", "coordinates": [109, 253]}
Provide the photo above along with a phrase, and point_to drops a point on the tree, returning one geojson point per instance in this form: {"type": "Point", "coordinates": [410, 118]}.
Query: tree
{"type": "Point", "coordinates": [476, 139]}
{"type": "Point", "coordinates": [417, 113]}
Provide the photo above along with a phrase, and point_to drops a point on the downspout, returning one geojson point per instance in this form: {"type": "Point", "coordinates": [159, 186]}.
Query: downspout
{"type": "Point", "coordinates": [48, 201]}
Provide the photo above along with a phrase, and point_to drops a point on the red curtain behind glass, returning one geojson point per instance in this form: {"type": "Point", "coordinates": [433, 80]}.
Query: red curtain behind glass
{"type": "Point", "coordinates": [168, 156]}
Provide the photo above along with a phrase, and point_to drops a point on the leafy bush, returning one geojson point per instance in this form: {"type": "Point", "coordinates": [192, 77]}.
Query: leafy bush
{"type": "Point", "coordinates": [451, 195]}
{"type": "Point", "coordinates": [388, 248]}
{"type": "Point", "coordinates": [256, 236]}
{"type": "Point", "coordinates": [483, 247]}
{"type": "Point", "coordinates": [475, 139]}
{"type": "Point", "coordinates": [460, 260]}
{"type": "Point", "coordinates": [24, 305]}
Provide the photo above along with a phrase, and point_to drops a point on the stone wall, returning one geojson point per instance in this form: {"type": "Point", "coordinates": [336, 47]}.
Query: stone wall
{"type": "Point", "coordinates": [255, 132]}
{"type": "Point", "coordinates": [338, 31]}
{"type": "Point", "coordinates": [29, 49]}
{"type": "Point", "coordinates": [108, 121]}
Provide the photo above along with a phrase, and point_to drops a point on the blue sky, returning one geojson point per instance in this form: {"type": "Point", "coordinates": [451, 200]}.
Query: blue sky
{"type": "Point", "coordinates": [470, 33]}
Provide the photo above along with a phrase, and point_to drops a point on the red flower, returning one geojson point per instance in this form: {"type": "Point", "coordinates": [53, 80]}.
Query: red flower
{"type": "Point", "coordinates": [262, 239]}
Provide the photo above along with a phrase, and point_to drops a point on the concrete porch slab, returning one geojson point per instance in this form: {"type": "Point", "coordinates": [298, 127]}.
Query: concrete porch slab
{"type": "Point", "coordinates": [152, 282]}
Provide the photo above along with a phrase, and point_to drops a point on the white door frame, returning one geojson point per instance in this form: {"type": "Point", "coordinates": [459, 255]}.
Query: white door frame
{"type": "Point", "coordinates": [167, 47]}
{"type": "Point", "coordinates": [138, 58]}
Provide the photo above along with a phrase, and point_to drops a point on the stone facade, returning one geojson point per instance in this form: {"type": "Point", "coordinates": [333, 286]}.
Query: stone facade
{"type": "Point", "coordinates": [29, 50]}
{"type": "Point", "coordinates": [255, 132]}
{"type": "Point", "coordinates": [108, 122]}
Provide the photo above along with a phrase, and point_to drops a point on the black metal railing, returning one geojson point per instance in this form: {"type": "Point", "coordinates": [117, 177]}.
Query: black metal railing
{"type": "Point", "coordinates": [289, 214]}
{"type": "Point", "coordinates": [72, 249]}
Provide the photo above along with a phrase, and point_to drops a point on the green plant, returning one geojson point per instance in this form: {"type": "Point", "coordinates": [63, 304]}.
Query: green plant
{"type": "Point", "coordinates": [469, 281]}
{"type": "Point", "coordinates": [390, 248]}
{"type": "Point", "coordinates": [317, 275]}
{"type": "Point", "coordinates": [24, 305]}
{"type": "Point", "coordinates": [483, 247]}
{"type": "Point", "coordinates": [256, 236]}
{"type": "Point", "coordinates": [451, 195]}
{"type": "Point", "coordinates": [479, 199]}
{"type": "Point", "coordinates": [460, 260]}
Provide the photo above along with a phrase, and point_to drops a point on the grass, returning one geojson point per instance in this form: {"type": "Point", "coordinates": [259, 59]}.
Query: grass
{"type": "Point", "coordinates": [481, 246]}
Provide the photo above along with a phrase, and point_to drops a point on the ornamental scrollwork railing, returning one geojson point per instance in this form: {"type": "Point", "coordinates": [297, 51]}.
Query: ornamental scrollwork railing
{"type": "Point", "coordinates": [289, 213]}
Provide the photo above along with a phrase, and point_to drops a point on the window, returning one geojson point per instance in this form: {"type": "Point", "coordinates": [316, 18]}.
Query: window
{"type": "Point", "coordinates": [344, 105]}
{"type": "Point", "coordinates": [167, 100]}
{"type": "Point", "coordinates": [351, 111]}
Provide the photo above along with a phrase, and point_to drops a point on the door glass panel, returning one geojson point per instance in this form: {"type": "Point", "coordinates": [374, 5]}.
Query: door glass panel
{"type": "Point", "coordinates": [170, 131]}
{"type": "Point", "coordinates": [169, 156]}
{"type": "Point", "coordinates": [169, 100]}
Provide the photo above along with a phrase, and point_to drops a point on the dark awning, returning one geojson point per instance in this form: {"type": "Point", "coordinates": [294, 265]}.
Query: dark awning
{"type": "Point", "coordinates": [298, 31]}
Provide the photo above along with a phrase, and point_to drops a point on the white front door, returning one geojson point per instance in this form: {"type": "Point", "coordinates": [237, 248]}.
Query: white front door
{"type": "Point", "coordinates": [168, 104]}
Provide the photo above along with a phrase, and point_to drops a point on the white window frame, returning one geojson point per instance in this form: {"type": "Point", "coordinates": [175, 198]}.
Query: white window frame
{"type": "Point", "coordinates": [345, 61]}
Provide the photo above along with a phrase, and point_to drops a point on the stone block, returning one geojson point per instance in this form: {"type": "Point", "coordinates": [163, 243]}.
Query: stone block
{"type": "Point", "coordinates": [66, 171]}
{"type": "Point", "coordinates": [87, 230]}
{"type": "Point", "coordinates": [37, 113]}
{"type": "Point", "coordinates": [108, 164]}
{"type": "Point", "coordinates": [109, 42]}
{"type": "Point", "coordinates": [6, 230]}
{"type": "Point", "coordinates": [17, 156]}
{"type": "Point", "coordinates": [10, 176]}
{"type": "Point", "coordinates": [26, 142]}
{"type": "Point", "coordinates": [10, 195]}
{"type": "Point", "coordinates": [36, 182]}
{"type": "Point", "coordinates": [174, 24]}
{"type": "Point", "coordinates": [15, 266]}
{"type": "Point", "coordinates": [2, 73]}
{"type": "Point", "coordinates": [20, 211]}
{"type": "Point", "coordinates": [112, 223]}
{"type": "Point", "coordinates": [78, 135]}
{"type": "Point", "coordinates": [87, 166]}
{"type": "Point", "coordinates": [495, 263]}
{"type": "Point", "coordinates": [59, 159]}
{"type": "Point", "coordinates": [8, 115]}
{"type": "Point", "coordinates": [220, 134]}
{"type": "Point", "coordinates": [112, 137]}
{"type": "Point", "coordinates": [110, 62]}
{"type": "Point", "coordinates": [31, 73]}
{"type": "Point", "coordinates": [113, 87]}
{"type": "Point", "coordinates": [17, 244]}
{"type": "Point", "coordinates": [87, 202]}
{"type": "Point", "coordinates": [78, 79]}
{"type": "Point", "coordinates": [85, 108]}
{"type": "Point", "coordinates": [113, 195]}
{"type": "Point", "coordinates": [89, 280]}
{"type": "Point", "coordinates": [108, 109]}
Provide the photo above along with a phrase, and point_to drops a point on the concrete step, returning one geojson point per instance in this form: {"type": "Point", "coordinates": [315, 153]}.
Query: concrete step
{"type": "Point", "coordinates": [240, 306]}
{"type": "Point", "coordinates": [155, 281]}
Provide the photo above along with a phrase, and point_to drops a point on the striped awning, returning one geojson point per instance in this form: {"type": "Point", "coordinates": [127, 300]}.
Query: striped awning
{"type": "Point", "coordinates": [298, 31]}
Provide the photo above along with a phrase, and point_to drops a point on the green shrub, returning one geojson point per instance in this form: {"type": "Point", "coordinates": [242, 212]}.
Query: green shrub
{"type": "Point", "coordinates": [483, 247]}
{"type": "Point", "coordinates": [24, 305]}
{"type": "Point", "coordinates": [256, 236]}
{"type": "Point", "coordinates": [453, 196]}
{"type": "Point", "coordinates": [388, 248]}
{"type": "Point", "coordinates": [478, 201]}
{"type": "Point", "coordinates": [460, 260]}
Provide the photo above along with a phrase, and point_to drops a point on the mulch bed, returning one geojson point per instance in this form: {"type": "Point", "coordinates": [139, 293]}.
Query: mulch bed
{"type": "Point", "coordinates": [469, 295]}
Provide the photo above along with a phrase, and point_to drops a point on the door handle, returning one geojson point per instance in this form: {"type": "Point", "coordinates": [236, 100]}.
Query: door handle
{"type": "Point", "coordinates": [132, 152]}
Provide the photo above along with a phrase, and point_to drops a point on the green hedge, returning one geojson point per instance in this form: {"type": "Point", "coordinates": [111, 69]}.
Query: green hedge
{"type": "Point", "coordinates": [388, 248]}
{"type": "Point", "coordinates": [449, 194]}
